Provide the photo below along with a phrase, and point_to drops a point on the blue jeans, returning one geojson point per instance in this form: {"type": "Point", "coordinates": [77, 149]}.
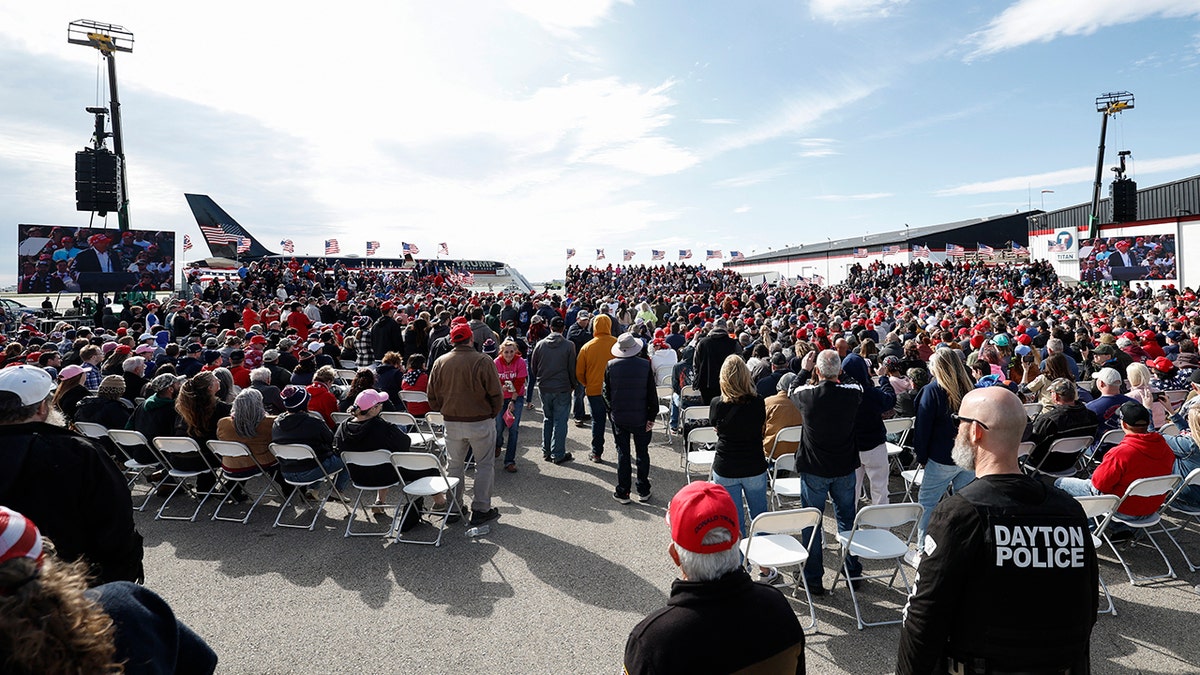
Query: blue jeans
{"type": "Point", "coordinates": [578, 396]}
{"type": "Point", "coordinates": [937, 478]}
{"type": "Point", "coordinates": [599, 414]}
{"type": "Point", "coordinates": [1082, 487]}
{"type": "Point", "coordinates": [676, 406]}
{"type": "Point", "coordinates": [641, 445]}
{"type": "Point", "coordinates": [755, 490]}
{"type": "Point", "coordinates": [331, 463]}
{"type": "Point", "coordinates": [510, 450]}
{"type": "Point", "coordinates": [813, 492]}
{"type": "Point", "coordinates": [556, 408]}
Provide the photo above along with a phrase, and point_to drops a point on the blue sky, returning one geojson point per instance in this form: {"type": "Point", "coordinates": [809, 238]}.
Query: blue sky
{"type": "Point", "coordinates": [514, 130]}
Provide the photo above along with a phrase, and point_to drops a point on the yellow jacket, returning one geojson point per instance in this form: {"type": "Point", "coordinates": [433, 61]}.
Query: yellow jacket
{"type": "Point", "coordinates": [595, 355]}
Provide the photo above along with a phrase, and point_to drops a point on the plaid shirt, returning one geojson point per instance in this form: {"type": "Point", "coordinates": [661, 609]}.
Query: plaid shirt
{"type": "Point", "coordinates": [363, 356]}
{"type": "Point", "coordinates": [93, 377]}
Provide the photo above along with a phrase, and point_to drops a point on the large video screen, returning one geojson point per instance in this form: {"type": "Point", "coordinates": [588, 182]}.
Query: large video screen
{"type": "Point", "coordinates": [1128, 258]}
{"type": "Point", "coordinates": [55, 258]}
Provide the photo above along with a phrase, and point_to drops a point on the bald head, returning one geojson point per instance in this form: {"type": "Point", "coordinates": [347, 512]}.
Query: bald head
{"type": "Point", "coordinates": [995, 435]}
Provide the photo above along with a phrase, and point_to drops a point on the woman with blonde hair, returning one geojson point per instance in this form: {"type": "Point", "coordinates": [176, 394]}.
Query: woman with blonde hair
{"type": "Point", "coordinates": [739, 416]}
{"type": "Point", "coordinates": [935, 429]}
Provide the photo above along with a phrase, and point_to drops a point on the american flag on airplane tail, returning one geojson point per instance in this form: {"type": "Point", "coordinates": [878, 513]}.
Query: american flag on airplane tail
{"type": "Point", "coordinates": [288, 246]}
{"type": "Point", "coordinates": [955, 251]}
{"type": "Point", "coordinates": [187, 243]}
{"type": "Point", "coordinates": [220, 234]}
{"type": "Point", "coordinates": [410, 249]}
{"type": "Point", "coordinates": [372, 247]}
{"type": "Point", "coordinates": [655, 254]}
{"type": "Point", "coordinates": [331, 247]}
{"type": "Point", "coordinates": [443, 249]}
{"type": "Point", "coordinates": [985, 250]}
{"type": "Point", "coordinates": [599, 254]}
{"type": "Point", "coordinates": [860, 253]}
{"type": "Point", "coordinates": [736, 255]}
{"type": "Point", "coordinates": [709, 255]}
{"type": "Point", "coordinates": [920, 251]}
{"type": "Point", "coordinates": [243, 244]}
{"type": "Point", "coordinates": [891, 250]}
{"type": "Point", "coordinates": [570, 253]}
{"type": "Point", "coordinates": [685, 254]}
{"type": "Point", "coordinates": [628, 255]}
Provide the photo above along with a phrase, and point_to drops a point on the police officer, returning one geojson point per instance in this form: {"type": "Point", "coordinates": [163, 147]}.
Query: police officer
{"type": "Point", "coordinates": [1008, 582]}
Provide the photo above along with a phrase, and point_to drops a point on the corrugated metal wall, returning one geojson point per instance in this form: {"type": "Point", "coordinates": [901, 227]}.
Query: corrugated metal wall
{"type": "Point", "coordinates": [1159, 201]}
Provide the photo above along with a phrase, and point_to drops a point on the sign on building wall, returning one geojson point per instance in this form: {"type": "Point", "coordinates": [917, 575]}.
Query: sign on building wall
{"type": "Point", "coordinates": [1064, 247]}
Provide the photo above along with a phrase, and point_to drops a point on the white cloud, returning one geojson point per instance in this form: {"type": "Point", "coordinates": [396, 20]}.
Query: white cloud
{"type": "Point", "coordinates": [717, 120]}
{"type": "Point", "coordinates": [1030, 21]}
{"type": "Point", "coordinates": [744, 208]}
{"type": "Point", "coordinates": [563, 18]}
{"type": "Point", "coordinates": [1082, 174]}
{"type": "Point", "coordinates": [853, 10]}
{"type": "Point", "coordinates": [752, 178]}
{"type": "Point", "coordinates": [795, 117]}
{"type": "Point", "coordinates": [867, 196]}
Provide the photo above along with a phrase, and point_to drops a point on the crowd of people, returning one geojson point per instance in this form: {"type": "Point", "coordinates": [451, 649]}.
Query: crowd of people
{"type": "Point", "coordinates": [256, 359]}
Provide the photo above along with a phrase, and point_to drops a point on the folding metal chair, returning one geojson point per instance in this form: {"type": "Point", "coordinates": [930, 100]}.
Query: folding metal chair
{"type": "Point", "coordinates": [700, 437]}
{"type": "Point", "coordinates": [436, 425]}
{"type": "Point", "coordinates": [339, 417]}
{"type": "Point", "coordinates": [871, 538]}
{"type": "Point", "coordinates": [1168, 429]}
{"type": "Point", "coordinates": [662, 375]}
{"type": "Point", "coordinates": [409, 397]}
{"type": "Point", "coordinates": [185, 462]}
{"type": "Point", "coordinates": [664, 408]}
{"type": "Point", "coordinates": [792, 486]}
{"type": "Point", "coordinates": [1109, 438]}
{"type": "Point", "coordinates": [127, 443]}
{"type": "Point", "coordinates": [298, 452]}
{"type": "Point", "coordinates": [235, 450]}
{"type": "Point", "coordinates": [1072, 447]}
{"type": "Point", "coordinates": [1190, 514]}
{"type": "Point", "coordinates": [365, 472]}
{"type": "Point", "coordinates": [912, 478]}
{"type": "Point", "coordinates": [1099, 509]}
{"type": "Point", "coordinates": [902, 426]}
{"type": "Point", "coordinates": [1032, 410]}
{"type": "Point", "coordinates": [1145, 487]}
{"type": "Point", "coordinates": [690, 418]}
{"type": "Point", "coordinates": [345, 375]}
{"type": "Point", "coordinates": [408, 424]}
{"type": "Point", "coordinates": [427, 486]}
{"type": "Point", "coordinates": [773, 543]}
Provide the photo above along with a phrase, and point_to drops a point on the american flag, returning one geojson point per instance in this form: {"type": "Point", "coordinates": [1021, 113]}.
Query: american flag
{"type": "Point", "coordinates": [288, 246]}
{"type": "Point", "coordinates": [1017, 248]}
{"type": "Point", "coordinates": [372, 247]}
{"type": "Point", "coordinates": [410, 249]}
{"type": "Point", "coordinates": [709, 255]}
{"type": "Point", "coordinates": [628, 255]}
{"type": "Point", "coordinates": [220, 233]}
{"type": "Point", "coordinates": [736, 255]}
{"type": "Point", "coordinates": [599, 254]}
{"type": "Point", "coordinates": [891, 250]}
{"type": "Point", "coordinates": [685, 254]}
{"type": "Point", "coordinates": [920, 251]}
{"type": "Point", "coordinates": [187, 243]}
{"type": "Point", "coordinates": [331, 247]}
{"type": "Point", "coordinates": [985, 250]}
{"type": "Point", "coordinates": [655, 254]}
{"type": "Point", "coordinates": [443, 249]}
{"type": "Point", "coordinates": [860, 253]}
{"type": "Point", "coordinates": [243, 244]}
{"type": "Point", "coordinates": [570, 253]}
{"type": "Point", "coordinates": [955, 251]}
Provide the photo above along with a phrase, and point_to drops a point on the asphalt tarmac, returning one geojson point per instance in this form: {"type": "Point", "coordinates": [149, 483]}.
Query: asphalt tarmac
{"type": "Point", "coordinates": [555, 587]}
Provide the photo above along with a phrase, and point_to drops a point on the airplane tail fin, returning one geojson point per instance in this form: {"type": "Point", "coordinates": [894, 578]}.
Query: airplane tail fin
{"type": "Point", "coordinates": [225, 237]}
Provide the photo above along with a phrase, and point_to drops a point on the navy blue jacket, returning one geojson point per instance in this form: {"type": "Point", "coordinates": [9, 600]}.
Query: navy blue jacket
{"type": "Point", "coordinates": [933, 431]}
{"type": "Point", "coordinates": [629, 392]}
{"type": "Point", "coordinates": [869, 432]}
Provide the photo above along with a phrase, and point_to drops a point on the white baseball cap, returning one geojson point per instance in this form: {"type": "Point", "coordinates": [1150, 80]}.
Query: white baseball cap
{"type": "Point", "coordinates": [30, 383]}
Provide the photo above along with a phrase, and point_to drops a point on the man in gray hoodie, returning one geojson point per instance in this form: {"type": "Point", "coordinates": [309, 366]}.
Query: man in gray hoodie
{"type": "Point", "coordinates": [553, 366]}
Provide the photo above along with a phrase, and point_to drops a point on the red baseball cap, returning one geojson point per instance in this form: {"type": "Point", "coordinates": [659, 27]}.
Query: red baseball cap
{"type": "Point", "coordinates": [696, 510]}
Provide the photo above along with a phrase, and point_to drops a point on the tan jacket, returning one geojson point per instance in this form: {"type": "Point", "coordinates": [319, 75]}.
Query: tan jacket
{"type": "Point", "coordinates": [258, 444]}
{"type": "Point", "coordinates": [595, 355]}
{"type": "Point", "coordinates": [781, 413]}
{"type": "Point", "coordinates": [464, 386]}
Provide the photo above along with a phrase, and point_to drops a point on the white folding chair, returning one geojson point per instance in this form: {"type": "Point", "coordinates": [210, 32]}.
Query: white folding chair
{"type": "Point", "coordinates": [902, 426]}
{"type": "Point", "coordinates": [345, 375]}
{"type": "Point", "coordinates": [339, 417]}
{"type": "Point", "coordinates": [235, 450]}
{"type": "Point", "coordinates": [1109, 438]}
{"type": "Point", "coordinates": [912, 479]}
{"type": "Point", "coordinates": [184, 462]}
{"type": "Point", "coordinates": [436, 424]}
{"type": "Point", "coordinates": [363, 467]}
{"type": "Point", "coordinates": [1168, 429]}
{"type": "Point", "coordinates": [1190, 514]}
{"type": "Point", "coordinates": [299, 452]}
{"type": "Point", "coordinates": [690, 393]}
{"type": "Point", "coordinates": [774, 542]}
{"type": "Point", "coordinates": [98, 433]}
{"type": "Point", "coordinates": [700, 437]}
{"type": "Point", "coordinates": [871, 538]}
{"type": "Point", "coordinates": [1024, 448]}
{"type": "Point", "coordinates": [408, 424]}
{"type": "Point", "coordinates": [1032, 410]}
{"type": "Point", "coordinates": [1099, 509]}
{"type": "Point", "coordinates": [664, 394]}
{"type": "Point", "coordinates": [129, 442]}
{"type": "Point", "coordinates": [790, 487]}
{"type": "Point", "coordinates": [691, 418]}
{"type": "Point", "coordinates": [1175, 398]}
{"type": "Point", "coordinates": [1145, 487]}
{"type": "Point", "coordinates": [428, 486]}
{"type": "Point", "coordinates": [1071, 447]}
{"type": "Point", "coordinates": [408, 397]}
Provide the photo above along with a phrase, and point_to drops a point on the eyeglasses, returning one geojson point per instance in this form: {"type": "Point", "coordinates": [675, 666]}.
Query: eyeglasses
{"type": "Point", "coordinates": [959, 419]}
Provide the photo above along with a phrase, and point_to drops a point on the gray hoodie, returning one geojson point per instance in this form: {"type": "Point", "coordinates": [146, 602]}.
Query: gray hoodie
{"type": "Point", "coordinates": [553, 364]}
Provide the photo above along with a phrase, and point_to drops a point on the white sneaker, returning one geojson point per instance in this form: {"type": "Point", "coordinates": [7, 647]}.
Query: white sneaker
{"type": "Point", "coordinates": [913, 558]}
